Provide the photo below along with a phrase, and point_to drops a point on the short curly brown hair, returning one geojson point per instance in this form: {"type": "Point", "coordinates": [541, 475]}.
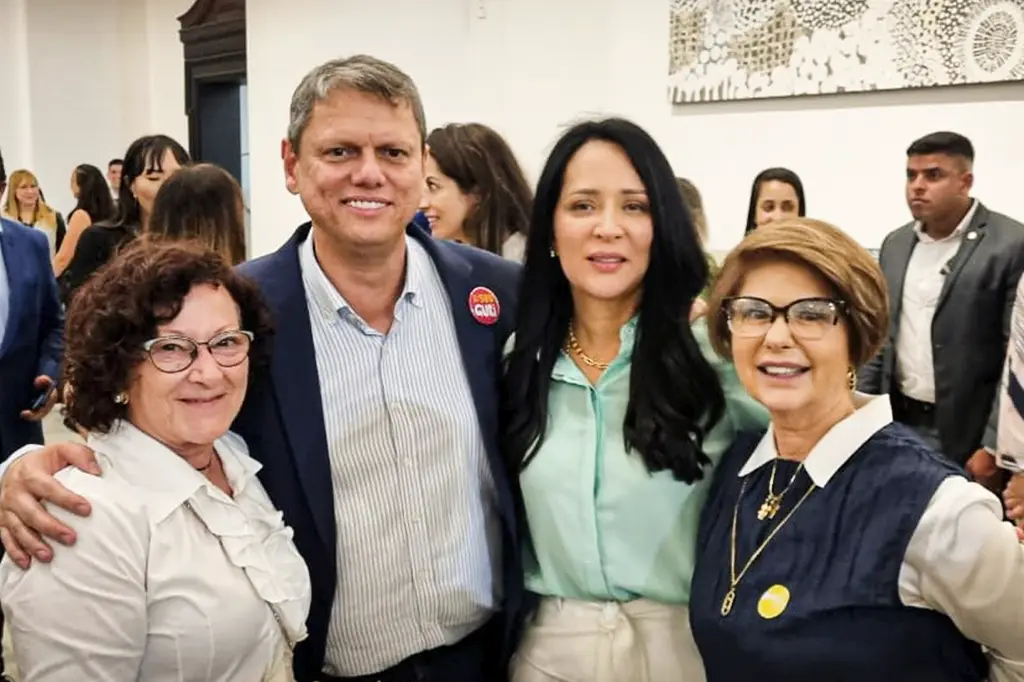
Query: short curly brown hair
{"type": "Point", "coordinates": [849, 270]}
{"type": "Point", "coordinates": [119, 309]}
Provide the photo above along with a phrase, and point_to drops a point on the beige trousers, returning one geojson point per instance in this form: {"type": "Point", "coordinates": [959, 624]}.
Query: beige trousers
{"type": "Point", "coordinates": [637, 641]}
{"type": "Point", "coordinates": [10, 665]}
{"type": "Point", "coordinates": [281, 667]}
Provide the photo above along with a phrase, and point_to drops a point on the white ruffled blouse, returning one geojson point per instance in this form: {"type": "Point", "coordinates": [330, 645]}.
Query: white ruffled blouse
{"type": "Point", "coordinates": [170, 580]}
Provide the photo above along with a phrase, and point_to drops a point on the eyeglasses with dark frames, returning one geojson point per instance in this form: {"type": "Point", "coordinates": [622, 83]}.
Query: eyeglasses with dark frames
{"type": "Point", "coordinates": [809, 319]}
{"type": "Point", "coordinates": [173, 354]}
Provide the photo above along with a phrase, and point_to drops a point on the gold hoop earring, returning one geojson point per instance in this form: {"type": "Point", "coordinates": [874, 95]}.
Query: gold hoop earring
{"type": "Point", "coordinates": [851, 379]}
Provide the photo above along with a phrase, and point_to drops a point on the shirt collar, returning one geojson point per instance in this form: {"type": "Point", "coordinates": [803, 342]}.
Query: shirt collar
{"type": "Point", "coordinates": [146, 462]}
{"type": "Point", "coordinates": [957, 233]}
{"type": "Point", "coordinates": [837, 446]}
{"type": "Point", "coordinates": [329, 301]}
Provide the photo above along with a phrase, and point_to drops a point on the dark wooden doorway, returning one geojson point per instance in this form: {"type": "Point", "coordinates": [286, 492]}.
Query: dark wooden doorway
{"type": "Point", "coordinates": [213, 35]}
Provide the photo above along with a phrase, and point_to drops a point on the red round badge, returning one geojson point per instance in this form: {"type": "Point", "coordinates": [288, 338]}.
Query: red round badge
{"type": "Point", "coordinates": [484, 306]}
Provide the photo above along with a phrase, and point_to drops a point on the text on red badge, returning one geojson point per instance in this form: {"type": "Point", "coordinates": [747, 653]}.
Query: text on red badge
{"type": "Point", "coordinates": [484, 305]}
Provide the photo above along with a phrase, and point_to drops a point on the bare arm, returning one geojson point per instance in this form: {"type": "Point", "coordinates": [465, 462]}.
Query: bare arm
{"type": "Point", "coordinates": [26, 482]}
{"type": "Point", "coordinates": [1014, 498]}
{"type": "Point", "coordinates": [79, 221]}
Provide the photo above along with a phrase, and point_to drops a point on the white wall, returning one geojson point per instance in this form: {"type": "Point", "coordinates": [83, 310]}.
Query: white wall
{"type": "Point", "coordinates": [531, 66]}
{"type": "Point", "coordinates": [165, 78]}
{"type": "Point", "coordinates": [88, 78]}
{"type": "Point", "coordinates": [16, 122]}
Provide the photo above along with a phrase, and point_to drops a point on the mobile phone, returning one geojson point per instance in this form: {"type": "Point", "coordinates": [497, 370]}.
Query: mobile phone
{"type": "Point", "coordinates": [39, 401]}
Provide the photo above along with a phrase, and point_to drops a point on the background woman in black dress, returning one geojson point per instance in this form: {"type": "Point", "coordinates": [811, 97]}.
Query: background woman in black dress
{"type": "Point", "coordinates": [147, 163]}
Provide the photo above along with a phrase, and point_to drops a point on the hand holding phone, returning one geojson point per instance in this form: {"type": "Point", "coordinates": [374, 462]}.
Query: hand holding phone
{"type": "Point", "coordinates": [39, 406]}
{"type": "Point", "coordinates": [40, 399]}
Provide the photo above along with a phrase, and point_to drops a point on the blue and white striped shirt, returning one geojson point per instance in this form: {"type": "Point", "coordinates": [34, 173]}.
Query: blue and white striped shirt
{"type": "Point", "coordinates": [419, 536]}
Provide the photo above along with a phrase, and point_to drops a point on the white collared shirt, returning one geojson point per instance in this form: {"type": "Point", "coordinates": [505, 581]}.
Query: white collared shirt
{"type": "Point", "coordinates": [170, 579]}
{"type": "Point", "coordinates": [963, 560]}
{"type": "Point", "coordinates": [922, 284]}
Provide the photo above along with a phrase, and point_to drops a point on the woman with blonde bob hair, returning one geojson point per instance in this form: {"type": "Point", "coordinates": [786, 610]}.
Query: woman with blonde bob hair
{"type": "Point", "coordinates": [837, 545]}
{"type": "Point", "coordinates": [26, 205]}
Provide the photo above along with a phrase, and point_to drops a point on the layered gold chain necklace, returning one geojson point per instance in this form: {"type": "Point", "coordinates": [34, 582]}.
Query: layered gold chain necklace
{"type": "Point", "coordinates": [572, 347]}
{"type": "Point", "coordinates": [734, 576]}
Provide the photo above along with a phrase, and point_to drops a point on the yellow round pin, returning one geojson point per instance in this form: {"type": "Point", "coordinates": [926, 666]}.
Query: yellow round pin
{"type": "Point", "coordinates": [773, 602]}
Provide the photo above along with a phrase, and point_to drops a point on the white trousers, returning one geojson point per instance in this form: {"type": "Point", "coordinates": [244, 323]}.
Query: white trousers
{"type": "Point", "coordinates": [637, 641]}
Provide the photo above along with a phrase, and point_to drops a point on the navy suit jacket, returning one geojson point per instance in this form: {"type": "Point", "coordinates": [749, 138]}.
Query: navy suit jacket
{"type": "Point", "coordinates": [34, 338]}
{"type": "Point", "coordinates": [282, 419]}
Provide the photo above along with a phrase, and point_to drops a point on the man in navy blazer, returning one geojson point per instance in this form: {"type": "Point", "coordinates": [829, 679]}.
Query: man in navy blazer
{"type": "Point", "coordinates": [377, 421]}
{"type": "Point", "coordinates": [281, 422]}
{"type": "Point", "coordinates": [31, 332]}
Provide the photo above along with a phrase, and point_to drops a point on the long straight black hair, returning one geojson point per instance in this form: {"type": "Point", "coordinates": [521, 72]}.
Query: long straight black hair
{"type": "Point", "coordinates": [144, 155]}
{"type": "Point", "coordinates": [767, 175]}
{"type": "Point", "coordinates": [674, 395]}
{"type": "Point", "coordinates": [93, 193]}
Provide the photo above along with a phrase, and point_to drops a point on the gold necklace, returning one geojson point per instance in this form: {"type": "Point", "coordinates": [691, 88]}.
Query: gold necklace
{"type": "Point", "coordinates": [572, 345]}
{"type": "Point", "coordinates": [734, 578]}
{"type": "Point", "coordinates": [772, 502]}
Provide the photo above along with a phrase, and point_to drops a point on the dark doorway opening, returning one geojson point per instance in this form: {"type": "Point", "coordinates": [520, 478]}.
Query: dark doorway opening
{"type": "Point", "coordinates": [213, 35]}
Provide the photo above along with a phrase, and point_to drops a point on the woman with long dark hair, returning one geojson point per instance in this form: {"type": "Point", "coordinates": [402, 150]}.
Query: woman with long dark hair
{"type": "Point", "coordinates": [148, 161]}
{"type": "Point", "coordinates": [777, 194]}
{"type": "Point", "coordinates": [201, 203]}
{"type": "Point", "coordinates": [93, 204]}
{"type": "Point", "coordinates": [476, 191]}
{"type": "Point", "coordinates": [614, 411]}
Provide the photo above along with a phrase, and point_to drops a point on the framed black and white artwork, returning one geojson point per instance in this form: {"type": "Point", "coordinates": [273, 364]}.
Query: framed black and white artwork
{"type": "Point", "coordinates": [750, 49]}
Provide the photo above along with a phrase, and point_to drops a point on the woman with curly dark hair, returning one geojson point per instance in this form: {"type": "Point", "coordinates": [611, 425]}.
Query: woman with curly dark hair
{"type": "Point", "coordinates": [187, 571]}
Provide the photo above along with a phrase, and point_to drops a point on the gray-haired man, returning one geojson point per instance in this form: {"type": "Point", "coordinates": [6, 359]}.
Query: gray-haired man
{"type": "Point", "coordinates": [377, 422]}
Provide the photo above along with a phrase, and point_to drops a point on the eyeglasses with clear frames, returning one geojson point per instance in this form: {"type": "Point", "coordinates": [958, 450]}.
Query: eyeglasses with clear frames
{"type": "Point", "coordinates": [173, 354]}
{"type": "Point", "coordinates": [809, 319]}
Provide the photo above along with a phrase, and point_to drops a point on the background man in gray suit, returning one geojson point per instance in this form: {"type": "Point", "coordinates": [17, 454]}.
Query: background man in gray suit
{"type": "Point", "coordinates": [952, 276]}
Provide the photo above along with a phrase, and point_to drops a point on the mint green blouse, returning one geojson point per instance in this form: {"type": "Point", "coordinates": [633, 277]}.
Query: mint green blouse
{"type": "Point", "coordinates": [602, 527]}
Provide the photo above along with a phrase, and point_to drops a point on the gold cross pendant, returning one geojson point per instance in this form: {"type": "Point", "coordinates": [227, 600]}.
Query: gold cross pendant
{"type": "Point", "coordinates": [769, 508]}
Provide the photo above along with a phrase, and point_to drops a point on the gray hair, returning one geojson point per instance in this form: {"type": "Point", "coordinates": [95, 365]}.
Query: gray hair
{"type": "Point", "coordinates": [361, 73]}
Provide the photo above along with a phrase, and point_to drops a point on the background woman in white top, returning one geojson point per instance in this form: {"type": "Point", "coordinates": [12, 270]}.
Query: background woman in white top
{"type": "Point", "coordinates": [26, 205]}
{"type": "Point", "coordinates": [475, 190]}
{"type": "Point", "coordinates": [184, 571]}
